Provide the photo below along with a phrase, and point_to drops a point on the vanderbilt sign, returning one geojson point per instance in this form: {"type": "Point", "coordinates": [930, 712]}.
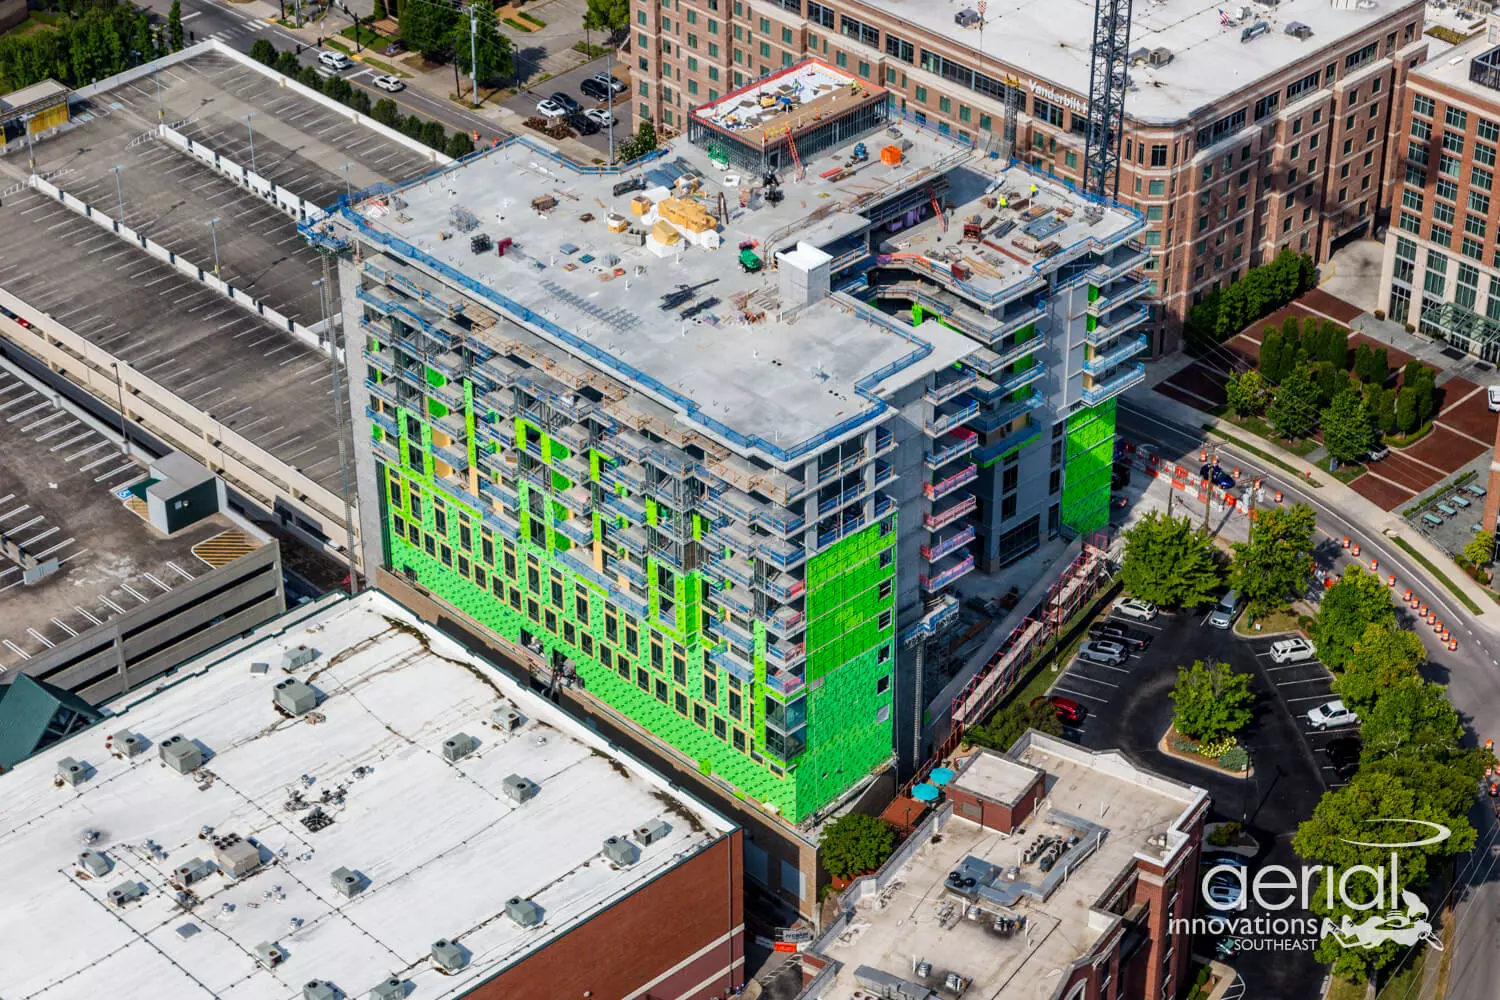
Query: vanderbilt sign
{"type": "Point", "coordinates": [1068, 101]}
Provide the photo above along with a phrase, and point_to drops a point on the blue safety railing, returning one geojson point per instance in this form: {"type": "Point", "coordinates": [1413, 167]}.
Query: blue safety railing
{"type": "Point", "coordinates": [1127, 377]}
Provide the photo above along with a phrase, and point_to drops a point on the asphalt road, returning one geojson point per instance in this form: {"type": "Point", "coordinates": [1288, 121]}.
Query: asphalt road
{"type": "Point", "coordinates": [1471, 673]}
{"type": "Point", "coordinates": [525, 102]}
{"type": "Point", "coordinates": [239, 30]}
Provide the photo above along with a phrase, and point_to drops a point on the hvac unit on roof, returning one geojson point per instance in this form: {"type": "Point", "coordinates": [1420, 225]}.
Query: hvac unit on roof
{"type": "Point", "coordinates": [1159, 56]}
{"type": "Point", "coordinates": [448, 956]}
{"type": "Point", "coordinates": [298, 656]}
{"type": "Point", "coordinates": [193, 872]}
{"type": "Point", "coordinates": [235, 855]}
{"type": "Point", "coordinates": [523, 911]}
{"type": "Point", "coordinates": [506, 718]}
{"type": "Point", "coordinates": [95, 863]}
{"type": "Point", "coordinates": [519, 789]}
{"type": "Point", "coordinates": [1255, 31]}
{"type": "Point", "coordinates": [390, 989]}
{"type": "Point", "coordinates": [319, 990]}
{"type": "Point", "coordinates": [651, 832]}
{"type": "Point", "coordinates": [126, 743]}
{"type": "Point", "coordinates": [294, 697]}
{"type": "Point", "coordinates": [347, 883]}
{"type": "Point", "coordinates": [621, 851]}
{"type": "Point", "coordinates": [180, 754]}
{"type": "Point", "coordinates": [458, 746]}
{"type": "Point", "coordinates": [269, 954]}
{"type": "Point", "coordinates": [71, 772]}
{"type": "Point", "coordinates": [126, 892]}
{"type": "Point", "coordinates": [1298, 30]}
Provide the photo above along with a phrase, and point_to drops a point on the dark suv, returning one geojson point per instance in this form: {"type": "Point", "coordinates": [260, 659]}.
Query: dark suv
{"type": "Point", "coordinates": [565, 102]}
{"type": "Point", "coordinates": [1343, 755]}
{"type": "Point", "coordinates": [582, 125]}
{"type": "Point", "coordinates": [1132, 639]}
{"type": "Point", "coordinates": [595, 89]}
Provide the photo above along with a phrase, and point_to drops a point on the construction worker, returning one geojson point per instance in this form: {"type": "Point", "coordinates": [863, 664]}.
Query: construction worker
{"type": "Point", "coordinates": [1033, 190]}
{"type": "Point", "coordinates": [1002, 201]}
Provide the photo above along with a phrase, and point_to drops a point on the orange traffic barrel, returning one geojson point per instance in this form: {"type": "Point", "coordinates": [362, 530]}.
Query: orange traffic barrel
{"type": "Point", "coordinates": [1374, 565]}
{"type": "Point", "coordinates": [1278, 496]}
{"type": "Point", "coordinates": [1452, 644]}
{"type": "Point", "coordinates": [1391, 580]}
{"type": "Point", "coordinates": [1330, 581]}
{"type": "Point", "coordinates": [1406, 596]}
{"type": "Point", "coordinates": [1346, 541]}
{"type": "Point", "coordinates": [1354, 548]}
{"type": "Point", "coordinates": [1422, 611]}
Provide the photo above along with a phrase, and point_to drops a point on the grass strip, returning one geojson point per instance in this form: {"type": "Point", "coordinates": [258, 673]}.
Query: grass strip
{"type": "Point", "coordinates": [533, 19]}
{"type": "Point", "coordinates": [1265, 456]}
{"type": "Point", "coordinates": [1438, 575]}
{"type": "Point", "coordinates": [518, 25]}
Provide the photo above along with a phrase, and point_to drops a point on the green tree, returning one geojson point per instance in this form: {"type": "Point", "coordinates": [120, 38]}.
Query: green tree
{"type": "Point", "coordinates": [1294, 409]}
{"type": "Point", "coordinates": [359, 101]}
{"type": "Point", "coordinates": [491, 49]}
{"type": "Point", "coordinates": [1336, 345]}
{"type": "Point", "coordinates": [308, 77]}
{"type": "Point", "coordinates": [1411, 721]}
{"type": "Point", "coordinates": [378, 12]}
{"type": "Point", "coordinates": [1358, 600]}
{"type": "Point", "coordinates": [1011, 722]}
{"type": "Point", "coordinates": [434, 135]}
{"type": "Point", "coordinates": [1169, 562]}
{"type": "Point", "coordinates": [386, 113]}
{"type": "Point", "coordinates": [1425, 385]}
{"type": "Point", "coordinates": [1271, 343]}
{"type": "Point", "coordinates": [1406, 409]}
{"type": "Point", "coordinates": [639, 144]}
{"type": "Point", "coordinates": [1247, 393]}
{"type": "Point", "coordinates": [855, 843]}
{"type": "Point", "coordinates": [287, 63]}
{"type": "Point", "coordinates": [1381, 658]}
{"type": "Point", "coordinates": [1347, 431]}
{"type": "Point", "coordinates": [1380, 368]}
{"type": "Point", "coordinates": [411, 127]}
{"type": "Point", "coordinates": [1271, 569]}
{"type": "Point", "coordinates": [1363, 357]}
{"type": "Point", "coordinates": [174, 24]}
{"type": "Point", "coordinates": [263, 52]}
{"type": "Point", "coordinates": [608, 16]}
{"type": "Point", "coordinates": [428, 29]}
{"type": "Point", "coordinates": [1211, 701]}
{"type": "Point", "coordinates": [1480, 551]}
{"type": "Point", "coordinates": [1353, 814]}
{"type": "Point", "coordinates": [338, 88]}
{"type": "Point", "coordinates": [459, 144]}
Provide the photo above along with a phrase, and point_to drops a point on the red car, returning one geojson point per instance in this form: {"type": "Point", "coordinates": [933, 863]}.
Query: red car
{"type": "Point", "coordinates": [1067, 709]}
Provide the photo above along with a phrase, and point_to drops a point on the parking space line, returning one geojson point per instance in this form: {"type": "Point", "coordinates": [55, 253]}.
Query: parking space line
{"type": "Point", "coordinates": [179, 570]}
{"type": "Point", "coordinates": [16, 649]}
{"type": "Point", "coordinates": [134, 593]}
{"type": "Point", "coordinates": [1310, 680]}
{"type": "Point", "coordinates": [41, 638]}
{"type": "Point", "coordinates": [1080, 694]}
{"type": "Point", "coordinates": [163, 586]}
{"type": "Point", "coordinates": [1093, 680]}
{"type": "Point", "coordinates": [87, 615]}
{"type": "Point", "coordinates": [65, 627]}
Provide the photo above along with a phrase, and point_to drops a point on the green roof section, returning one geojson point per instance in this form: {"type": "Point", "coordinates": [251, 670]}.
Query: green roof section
{"type": "Point", "coordinates": [35, 714]}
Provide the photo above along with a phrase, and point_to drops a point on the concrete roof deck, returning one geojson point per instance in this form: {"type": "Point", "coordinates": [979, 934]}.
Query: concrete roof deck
{"type": "Point", "coordinates": [169, 196]}
{"type": "Point", "coordinates": [59, 481]}
{"type": "Point", "coordinates": [439, 846]}
{"type": "Point", "coordinates": [1051, 40]}
{"type": "Point", "coordinates": [249, 375]}
{"type": "Point", "coordinates": [782, 383]}
{"type": "Point", "coordinates": [906, 923]}
{"type": "Point", "coordinates": [1451, 69]}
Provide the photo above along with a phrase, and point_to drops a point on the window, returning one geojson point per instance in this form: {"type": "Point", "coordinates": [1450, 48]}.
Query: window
{"type": "Point", "coordinates": [1445, 188]}
{"type": "Point", "coordinates": [1156, 188]}
{"type": "Point", "coordinates": [1442, 212]}
{"type": "Point", "coordinates": [1481, 178]}
{"type": "Point", "coordinates": [1297, 127]}
{"type": "Point", "coordinates": [820, 15]}
{"type": "Point", "coordinates": [1422, 105]}
{"type": "Point", "coordinates": [1295, 151]}
{"type": "Point", "coordinates": [1153, 213]}
{"type": "Point", "coordinates": [1473, 248]}
{"type": "Point", "coordinates": [1410, 223]}
{"type": "Point", "coordinates": [1487, 130]}
{"type": "Point", "coordinates": [945, 105]}
{"type": "Point", "coordinates": [1411, 199]}
{"type": "Point", "coordinates": [885, 621]}
{"type": "Point", "coordinates": [1224, 127]}
{"type": "Point", "coordinates": [1306, 83]}
{"type": "Point", "coordinates": [862, 33]}
{"type": "Point", "coordinates": [1456, 118]}
{"type": "Point", "coordinates": [1453, 142]}
{"type": "Point", "coordinates": [921, 95]}
{"type": "Point", "coordinates": [1266, 106]}
{"type": "Point", "coordinates": [1448, 165]}
{"type": "Point", "coordinates": [1479, 203]}
{"type": "Point", "coordinates": [1356, 59]}
{"type": "Point", "coordinates": [900, 48]}
{"type": "Point", "coordinates": [1474, 225]}
{"type": "Point", "coordinates": [1158, 159]}
{"type": "Point", "coordinates": [1484, 154]}
{"type": "Point", "coordinates": [1045, 111]}
{"type": "Point", "coordinates": [1441, 236]}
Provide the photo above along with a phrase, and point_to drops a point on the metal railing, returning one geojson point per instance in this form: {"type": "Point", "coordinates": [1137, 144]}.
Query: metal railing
{"type": "Point", "coordinates": [1101, 391]}
{"type": "Point", "coordinates": [938, 490]}
{"type": "Point", "coordinates": [942, 423]}
{"type": "Point", "coordinates": [962, 568]}
{"type": "Point", "coordinates": [1119, 295]}
{"type": "Point", "coordinates": [942, 518]}
{"type": "Point", "coordinates": [1115, 327]}
{"type": "Point", "coordinates": [953, 387]}
{"type": "Point", "coordinates": [954, 542]}
{"type": "Point", "coordinates": [1101, 363]}
{"type": "Point", "coordinates": [966, 441]}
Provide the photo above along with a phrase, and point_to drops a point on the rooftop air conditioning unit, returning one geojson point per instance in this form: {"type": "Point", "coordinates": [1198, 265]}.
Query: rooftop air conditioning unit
{"type": "Point", "coordinates": [1298, 30]}
{"type": "Point", "coordinates": [294, 697]}
{"type": "Point", "coordinates": [1255, 31]}
{"type": "Point", "coordinates": [126, 892]}
{"type": "Point", "coordinates": [391, 989]}
{"type": "Point", "coordinates": [1159, 56]}
{"type": "Point", "coordinates": [519, 789]}
{"type": "Point", "coordinates": [95, 863]}
{"type": "Point", "coordinates": [506, 718]}
{"type": "Point", "coordinates": [298, 656]}
{"type": "Point", "coordinates": [523, 911]}
{"type": "Point", "coordinates": [458, 746]}
{"type": "Point", "coordinates": [967, 18]}
{"type": "Point", "coordinates": [71, 772]}
{"type": "Point", "coordinates": [269, 954]}
{"type": "Point", "coordinates": [651, 832]}
{"type": "Point", "coordinates": [193, 872]}
{"type": "Point", "coordinates": [319, 990]}
{"type": "Point", "coordinates": [347, 883]}
{"type": "Point", "coordinates": [448, 956]}
{"type": "Point", "coordinates": [127, 743]}
{"type": "Point", "coordinates": [235, 855]}
{"type": "Point", "coordinates": [181, 754]}
{"type": "Point", "coordinates": [621, 851]}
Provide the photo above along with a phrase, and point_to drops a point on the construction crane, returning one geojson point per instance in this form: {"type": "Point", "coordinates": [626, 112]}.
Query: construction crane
{"type": "Point", "coordinates": [1107, 79]}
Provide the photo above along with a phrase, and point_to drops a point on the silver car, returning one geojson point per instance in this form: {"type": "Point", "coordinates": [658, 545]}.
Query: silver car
{"type": "Point", "coordinates": [1103, 651]}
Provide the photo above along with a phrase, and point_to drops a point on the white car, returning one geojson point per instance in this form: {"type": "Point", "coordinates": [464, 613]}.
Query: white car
{"type": "Point", "coordinates": [390, 84]}
{"type": "Point", "coordinates": [601, 117]}
{"type": "Point", "coordinates": [1332, 715]}
{"type": "Point", "coordinates": [1494, 396]}
{"type": "Point", "coordinates": [550, 109]}
{"type": "Point", "coordinates": [1293, 650]}
{"type": "Point", "coordinates": [334, 60]}
{"type": "Point", "coordinates": [1103, 652]}
{"type": "Point", "coordinates": [1134, 607]}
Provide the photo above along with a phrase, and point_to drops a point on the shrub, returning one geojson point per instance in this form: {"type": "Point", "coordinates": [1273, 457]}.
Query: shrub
{"type": "Point", "coordinates": [1217, 748]}
{"type": "Point", "coordinates": [1224, 834]}
{"type": "Point", "coordinates": [855, 843]}
{"type": "Point", "coordinates": [1235, 759]}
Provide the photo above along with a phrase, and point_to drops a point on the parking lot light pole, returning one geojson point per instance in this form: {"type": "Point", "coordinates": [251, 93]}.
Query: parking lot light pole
{"type": "Point", "coordinates": [119, 191]}
{"type": "Point", "coordinates": [249, 125]}
{"type": "Point", "coordinates": [213, 228]}
{"type": "Point", "coordinates": [120, 397]}
{"type": "Point", "coordinates": [348, 185]}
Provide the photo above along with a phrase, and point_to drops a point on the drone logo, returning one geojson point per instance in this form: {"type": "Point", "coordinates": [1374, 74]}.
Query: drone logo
{"type": "Point", "coordinates": [1393, 926]}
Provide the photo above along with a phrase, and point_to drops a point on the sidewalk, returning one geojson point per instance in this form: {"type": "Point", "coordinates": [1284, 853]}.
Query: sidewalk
{"type": "Point", "coordinates": [1339, 498]}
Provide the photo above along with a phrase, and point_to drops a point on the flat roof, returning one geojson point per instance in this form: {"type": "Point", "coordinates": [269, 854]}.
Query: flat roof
{"type": "Point", "coordinates": [1051, 40]}
{"type": "Point", "coordinates": [38, 93]}
{"type": "Point", "coordinates": [777, 381]}
{"type": "Point", "coordinates": [1100, 797]}
{"type": "Point", "coordinates": [1451, 70]}
{"type": "Point", "coordinates": [60, 497]}
{"type": "Point", "coordinates": [792, 100]}
{"type": "Point", "coordinates": [438, 846]}
{"type": "Point", "coordinates": [995, 777]}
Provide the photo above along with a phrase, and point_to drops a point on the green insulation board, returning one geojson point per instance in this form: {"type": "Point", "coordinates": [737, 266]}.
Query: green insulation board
{"type": "Point", "coordinates": [1089, 466]}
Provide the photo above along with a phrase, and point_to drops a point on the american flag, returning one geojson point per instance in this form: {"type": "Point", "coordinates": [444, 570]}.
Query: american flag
{"type": "Point", "coordinates": [1224, 18]}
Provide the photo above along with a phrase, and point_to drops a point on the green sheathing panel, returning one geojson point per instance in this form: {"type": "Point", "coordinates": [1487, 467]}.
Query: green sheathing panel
{"type": "Point", "coordinates": [849, 729]}
{"type": "Point", "coordinates": [1090, 462]}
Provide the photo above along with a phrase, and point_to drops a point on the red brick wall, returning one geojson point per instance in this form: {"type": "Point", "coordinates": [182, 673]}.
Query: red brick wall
{"type": "Point", "coordinates": [643, 936]}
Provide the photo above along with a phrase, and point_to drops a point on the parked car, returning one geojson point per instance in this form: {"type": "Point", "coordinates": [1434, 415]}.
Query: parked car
{"type": "Point", "coordinates": [1103, 651]}
{"type": "Point", "coordinates": [1226, 611]}
{"type": "Point", "coordinates": [615, 85]}
{"type": "Point", "coordinates": [390, 84]}
{"type": "Point", "coordinates": [583, 125]}
{"type": "Point", "coordinates": [1378, 452]}
{"type": "Point", "coordinates": [1332, 715]}
{"type": "Point", "coordinates": [1494, 395]}
{"type": "Point", "coordinates": [596, 90]}
{"type": "Point", "coordinates": [1217, 476]}
{"type": "Point", "coordinates": [1222, 859]}
{"type": "Point", "coordinates": [565, 102]}
{"type": "Point", "coordinates": [1343, 756]}
{"type": "Point", "coordinates": [602, 117]}
{"type": "Point", "coordinates": [334, 60]}
{"type": "Point", "coordinates": [1294, 650]}
{"type": "Point", "coordinates": [1224, 891]}
{"type": "Point", "coordinates": [395, 48]}
{"type": "Point", "coordinates": [1133, 607]}
{"type": "Point", "coordinates": [550, 110]}
{"type": "Point", "coordinates": [1132, 639]}
{"type": "Point", "coordinates": [1067, 709]}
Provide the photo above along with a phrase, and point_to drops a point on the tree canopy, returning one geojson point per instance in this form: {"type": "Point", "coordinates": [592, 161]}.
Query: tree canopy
{"type": "Point", "coordinates": [1380, 659]}
{"type": "Point", "coordinates": [1481, 549]}
{"type": "Point", "coordinates": [855, 843]}
{"type": "Point", "coordinates": [1248, 392]}
{"type": "Point", "coordinates": [491, 50]}
{"type": "Point", "coordinates": [429, 29]}
{"type": "Point", "coordinates": [1211, 701]}
{"type": "Point", "coordinates": [1170, 562]}
{"type": "Point", "coordinates": [89, 44]}
{"type": "Point", "coordinates": [609, 16]}
{"type": "Point", "coordinates": [1273, 567]}
{"type": "Point", "coordinates": [1010, 724]}
{"type": "Point", "coordinates": [1358, 600]}
{"type": "Point", "coordinates": [1294, 409]}
{"type": "Point", "coordinates": [1348, 433]}
{"type": "Point", "coordinates": [1411, 721]}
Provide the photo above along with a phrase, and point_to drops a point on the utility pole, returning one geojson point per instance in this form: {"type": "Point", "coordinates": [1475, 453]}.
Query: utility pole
{"type": "Point", "coordinates": [609, 68]}
{"type": "Point", "coordinates": [474, 52]}
{"type": "Point", "coordinates": [120, 397]}
{"type": "Point", "coordinates": [336, 367]}
{"type": "Point", "coordinates": [251, 126]}
{"type": "Point", "coordinates": [348, 185]}
{"type": "Point", "coordinates": [119, 192]}
{"type": "Point", "coordinates": [213, 228]}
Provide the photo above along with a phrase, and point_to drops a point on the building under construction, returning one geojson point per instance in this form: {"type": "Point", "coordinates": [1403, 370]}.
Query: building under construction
{"type": "Point", "coordinates": [650, 430]}
{"type": "Point", "coordinates": [775, 123]}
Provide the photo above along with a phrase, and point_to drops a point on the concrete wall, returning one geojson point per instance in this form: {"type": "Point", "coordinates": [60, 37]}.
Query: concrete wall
{"type": "Point", "coordinates": [248, 468]}
{"type": "Point", "coordinates": [147, 641]}
{"type": "Point", "coordinates": [12, 13]}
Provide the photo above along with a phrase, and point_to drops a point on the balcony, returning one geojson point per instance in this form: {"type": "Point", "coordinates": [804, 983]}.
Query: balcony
{"type": "Point", "coordinates": [575, 436]}
{"type": "Point", "coordinates": [382, 361]}
{"type": "Point", "coordinates": [728, 630]}
{"type": "Point", "coordinates": [725, 658]}
{"type": "Point", "coordinates": [1133, 258]}
{"type": "Point", "coordinates": [940, 519]}
{"type": "Point", "coordinates": [507, 528]}
{"type": "Point", "coordinates": [782, 586]}
{"type": "Point", "coordinates": [785, 656]}
{"type": "Point", "coordinates": [883, 504]}
{"type": "Point", "coordinates": [841, 468]}
{"type": "Point", "coordinates": [950, 447]}
{"type": "Point", "coordinates": [451, 456]}
{"type": "Point", "coordinates": [1113, 385]}
{"type": "Point", "coordinates": [1102, 363]}
{"type": "Point", "coordinates": [578, 499]}
{"type": "Point", "coordinates": [779, 520]}
{"type": "Point", "coordinates": [624, 567]}
{"type": "Point", "coordinates": [629, 507]}
{"type": "Point", "coordinates": [501, 492]}
{"type": "Point", "coordinates": [726, 567]}
{"type": "Point", "coordinates": [1113, 326]}
{"type": "Point", "coordinates": [851, 522]}
{"type": "Point", "coordinates": [785, 620]}
{"type": "Point", "coordinates": [1122, 292]}
{"type": "Point", "coordinates": [385, 392]}
{"type": "Point", "coordinates": [943, 421]}
{"type": "Point", "coordinates": [938, 490]}
{"type": "Point", "coordinates": [1017, 438]}
{"type": "Point", "coordinates": [954, 542]}
{"type": "Point", "coordinates": [885, 473]}
{"type": "Point", "coordinates": [947, 576]}
{"type": "Point", "coordinates": [632, 538]}
{"type": "Point", "coordinates": [782, 554]}
{"type": "Point", "coordinates": [844, 499]}
{"type": "Point", "coordinates": [578, 530]}
{"type": "Point", "coordinates": [574, 467]}
{"type": "Point", "coordinates": [939, 394]}
{"type": "Point", "coordinates": [1020, 379]}
{"type": "Point", "coordinates": [1007, 412]}
{"type": "Point", "coordinates": [382, 421]}
{"type": "Point", "coordinates": [737, 598]}
{"type": "Point", "coordinates": [991, 361]}
{"type": "Point", "coordinates": [385, 451]}
{"type": "Point", "coordinates": [786, 685]}
{"type": "Point", "coordinates": [885, 441]}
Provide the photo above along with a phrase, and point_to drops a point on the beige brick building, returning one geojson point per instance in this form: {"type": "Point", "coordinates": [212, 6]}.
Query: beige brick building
{"type": "Point", "coordinates": [1248, 129]}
